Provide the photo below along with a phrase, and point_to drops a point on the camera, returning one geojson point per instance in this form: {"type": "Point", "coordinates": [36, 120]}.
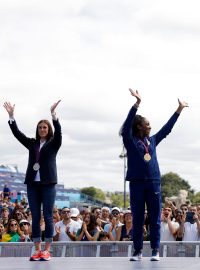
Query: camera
{"type": "Point", "coordinates": [190, 217]}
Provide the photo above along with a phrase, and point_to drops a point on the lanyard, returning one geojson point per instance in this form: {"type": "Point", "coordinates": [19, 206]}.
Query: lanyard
{"type": "Point", "coordinates": [37, 153]}
{"type": "Point", "coordinates": [146, 147]}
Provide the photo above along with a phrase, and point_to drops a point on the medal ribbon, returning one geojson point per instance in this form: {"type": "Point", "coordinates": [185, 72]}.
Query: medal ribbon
{"type": "Point", "coordinates": [37, 153]}
{"type": "Point", "coordinates": [145, 147]}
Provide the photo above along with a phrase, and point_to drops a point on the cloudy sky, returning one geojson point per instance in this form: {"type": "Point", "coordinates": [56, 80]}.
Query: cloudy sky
{"type": "Point", "coordinates": [88, 53]}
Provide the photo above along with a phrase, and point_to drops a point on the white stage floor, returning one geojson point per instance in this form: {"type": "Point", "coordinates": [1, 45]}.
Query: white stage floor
{"type": "Point", "coordinates": [102, 263]}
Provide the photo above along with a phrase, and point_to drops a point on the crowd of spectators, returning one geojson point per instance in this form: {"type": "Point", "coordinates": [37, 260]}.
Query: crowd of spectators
{"type": "Point", "coordinates": [97, 223]}
{"type": "Point", "coordinates": [180, 224]}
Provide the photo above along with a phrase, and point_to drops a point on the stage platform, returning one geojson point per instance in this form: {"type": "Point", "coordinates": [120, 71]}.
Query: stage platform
{"type": "Point", "coordinates": [92, 263]}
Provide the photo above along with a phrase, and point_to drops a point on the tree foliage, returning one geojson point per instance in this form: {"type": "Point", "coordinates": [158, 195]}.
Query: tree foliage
{"type": "Point", "coordinates": [117, 199]}
{"type": "Point", "coordinates": [196, 198]}
{"type": "Point", "coordinates": [96, 193]}
{"type": "Point", "coordinates": [171, 183]}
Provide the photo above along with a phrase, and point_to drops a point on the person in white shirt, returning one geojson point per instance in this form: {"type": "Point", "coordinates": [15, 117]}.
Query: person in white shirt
{"type": "Point", "coordinates": [66, 229]}
{"type": "Point", "coordinates": [114, 222]}
{"type": "Point", "coordinates": [190, 225]}
{"type": "Point", "coordinates": [169, 227]}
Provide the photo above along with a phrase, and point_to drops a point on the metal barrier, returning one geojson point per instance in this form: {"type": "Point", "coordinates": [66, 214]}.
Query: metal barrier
{"type": "Point", "coordinates": [101, 249]}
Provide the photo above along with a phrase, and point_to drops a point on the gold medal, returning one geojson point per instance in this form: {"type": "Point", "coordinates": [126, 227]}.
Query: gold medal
{"type": "Point", "coordinates": [147, 157]}
{"type": "Point", "coordinates": [36, 166]}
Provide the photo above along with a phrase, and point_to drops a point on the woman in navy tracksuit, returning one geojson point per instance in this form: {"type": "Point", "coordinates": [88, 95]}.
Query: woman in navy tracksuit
{"type": "Point", "coordinates": [144, 174]}
{"type": "Point", "coordinates": [41, 175]}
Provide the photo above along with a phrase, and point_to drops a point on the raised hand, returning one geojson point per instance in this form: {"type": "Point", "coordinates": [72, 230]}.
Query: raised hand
{"type": "Point", "coordinates": [9, 108]}
{"type": "Point", "coordinates": [67, 230]}
{"type": "Point", "coordinates": [58, 230]}
{"type": "Point", "coordinates": [84, 227]}
{"type": "Point", "coordinates": [135, 94]}
{"type": "Point", "coordinates": [182, 104]}
{"type": "Point", "coordinates": [53, 107]}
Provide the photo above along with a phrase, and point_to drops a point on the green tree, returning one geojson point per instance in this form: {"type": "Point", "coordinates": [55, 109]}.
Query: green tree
{"type": "Point", "coordinates": [196, 198]}
{"type": "Point", "coordinates": [96, 193]}
{"type": "Point", "coordinates": [117, 199]}
{"type": "Point", "coordinates": [171, 183]}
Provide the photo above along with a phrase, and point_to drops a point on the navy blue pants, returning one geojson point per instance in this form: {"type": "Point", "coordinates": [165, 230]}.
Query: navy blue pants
{"type": "Point", "coordinates": [148, 192]}
{"type": "Point", "coordinates": [41, 195]}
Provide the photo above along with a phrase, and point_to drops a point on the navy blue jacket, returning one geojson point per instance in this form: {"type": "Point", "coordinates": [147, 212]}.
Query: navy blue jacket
{"type": "Point", "coordinates": [137, 167]}
{"type": "Point", "coordinates": [48, 152]}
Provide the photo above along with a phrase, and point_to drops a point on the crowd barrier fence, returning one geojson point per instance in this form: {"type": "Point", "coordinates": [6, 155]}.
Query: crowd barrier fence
{"type": "Point", "coordinates": [101, 249]}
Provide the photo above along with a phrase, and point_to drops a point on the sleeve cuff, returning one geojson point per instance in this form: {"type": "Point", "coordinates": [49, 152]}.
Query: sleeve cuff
{"type": "Point", "coordinates": [54, 117]}
{"type": "Point", "coordinates": [136, 105]}
{"type": "Point", "coordinates": [11, 119]}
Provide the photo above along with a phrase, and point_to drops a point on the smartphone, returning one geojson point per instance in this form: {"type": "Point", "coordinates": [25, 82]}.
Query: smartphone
{"type": "Point", "coordinates": [190, 217]}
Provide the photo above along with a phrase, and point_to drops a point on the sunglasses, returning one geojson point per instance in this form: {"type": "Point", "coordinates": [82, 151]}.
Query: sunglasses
{"type": "Point", "coordinates": [115, 213]}
{"type": "Point", "coordinates": [67, 211]}
{"type": "Point", "coordinates": [13, 224]}
{"type": "Point", "coordinates": [25, 223]}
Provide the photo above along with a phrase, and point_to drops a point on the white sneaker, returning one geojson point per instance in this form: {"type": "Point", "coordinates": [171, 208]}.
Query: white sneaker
{"type": "Point", "coordinates": [137, 256]}
{"type": "Point", "coordinates": [155, 255]}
